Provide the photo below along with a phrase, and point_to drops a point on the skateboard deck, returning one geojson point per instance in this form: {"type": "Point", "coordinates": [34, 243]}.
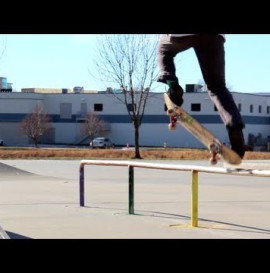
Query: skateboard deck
{"type": "Point", "coordinates": [216, 148]}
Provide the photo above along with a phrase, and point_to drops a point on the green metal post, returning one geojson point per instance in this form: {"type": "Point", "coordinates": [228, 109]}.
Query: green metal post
{"type": "Point", "coordinates": [131, 189]}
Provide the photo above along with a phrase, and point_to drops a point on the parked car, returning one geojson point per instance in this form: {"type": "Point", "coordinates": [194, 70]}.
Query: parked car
{"type": "Point", "coordinates": [101, 142]}
{"type": "Point", "coordinates": [1, 142]}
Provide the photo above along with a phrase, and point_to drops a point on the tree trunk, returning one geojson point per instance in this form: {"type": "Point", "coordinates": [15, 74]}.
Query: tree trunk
{"type": "Point", "coordinates": [137, 146]}
{"type": "Point", "coordinates": [36, 142]}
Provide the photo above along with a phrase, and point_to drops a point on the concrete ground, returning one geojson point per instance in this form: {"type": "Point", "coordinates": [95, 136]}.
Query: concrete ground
{"type": "Point", "coordinates": [39, 199]}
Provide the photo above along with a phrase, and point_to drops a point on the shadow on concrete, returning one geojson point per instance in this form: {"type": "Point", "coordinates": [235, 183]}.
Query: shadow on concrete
{"type": "Point", "coordinates": [158, 214]}
{"type": "Point", "coordinates": [227, 225]}
{"type": "Point", "coordinates": [13, 235]}
{"type": "Point", "coordinates": [9, 170]}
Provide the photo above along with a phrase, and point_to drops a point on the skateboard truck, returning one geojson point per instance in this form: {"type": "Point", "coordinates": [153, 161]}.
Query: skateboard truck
{"type": "Point", "coordinates": [214, 148]}
{"type": "Point", "coordinates": [173, 119]}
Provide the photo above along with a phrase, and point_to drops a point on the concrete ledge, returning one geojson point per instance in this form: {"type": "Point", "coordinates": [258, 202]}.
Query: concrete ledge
{"type": "Point", "coordinates": [3, 234]}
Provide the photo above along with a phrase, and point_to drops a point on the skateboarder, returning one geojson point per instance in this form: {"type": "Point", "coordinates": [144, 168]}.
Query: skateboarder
{"type": "Point", "coordinates": [209, 49]}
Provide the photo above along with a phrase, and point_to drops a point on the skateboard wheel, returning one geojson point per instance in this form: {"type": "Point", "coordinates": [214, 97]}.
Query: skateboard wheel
{"type": "Point", "coordinates": [213, 148]}
{"type": "Point", "coordinates": [170, 112]}
{"type": "Point", "coordinates": [213, 161]}
{"type": "Point", "coordinates": [171, 127]}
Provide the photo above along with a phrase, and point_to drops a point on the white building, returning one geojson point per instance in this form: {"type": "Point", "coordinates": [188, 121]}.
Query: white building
{"type": "Point", "coordinates": [67, 110]}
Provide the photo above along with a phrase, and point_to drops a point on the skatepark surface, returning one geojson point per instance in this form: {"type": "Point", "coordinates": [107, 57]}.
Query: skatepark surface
{"type": "Point", "coordinates": [39, 199]}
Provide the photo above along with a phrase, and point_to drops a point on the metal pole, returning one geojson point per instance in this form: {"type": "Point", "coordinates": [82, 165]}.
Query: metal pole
{"type": "Point", "coordinates": [194, 198]}
{"type": "Point", "coordinates": [131, 189]}
{"type": "Point", "coordinates": [82, 185]}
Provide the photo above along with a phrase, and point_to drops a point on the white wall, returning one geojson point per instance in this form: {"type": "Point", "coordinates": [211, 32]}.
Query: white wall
{"type": "Point", "coordinates": [151, 134]}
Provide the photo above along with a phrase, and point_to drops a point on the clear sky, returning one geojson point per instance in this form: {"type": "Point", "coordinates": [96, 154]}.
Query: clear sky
{"type": "Point", "coordinates": [64, 61]}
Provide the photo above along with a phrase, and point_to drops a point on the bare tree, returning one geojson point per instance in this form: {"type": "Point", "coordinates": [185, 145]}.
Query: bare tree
{"type": "Point", "coordinates": [36, 124]}
{"type": "Point", "coordinates": [131, 62]}
{"type": "Point", "coordinates": [92, 126]}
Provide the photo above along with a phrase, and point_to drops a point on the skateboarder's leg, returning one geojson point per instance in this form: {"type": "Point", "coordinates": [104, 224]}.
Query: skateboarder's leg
{"type": "Point", "coordinates": [211, 56]}
{"type": "Point", "coordinates": [230, 115]}
{"type": "Point", "coordinates": [167, 50]}
{"type": "Point", "coordinates": [166, 54]}
{"type": "Point", "coordinates": [237, 140]}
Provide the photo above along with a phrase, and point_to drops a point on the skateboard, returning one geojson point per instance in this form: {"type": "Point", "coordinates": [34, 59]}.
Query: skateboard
{"type": "Point", "coordinates": [216, 148]}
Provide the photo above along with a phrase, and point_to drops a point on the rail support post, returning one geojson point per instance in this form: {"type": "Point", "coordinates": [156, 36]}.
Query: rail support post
{"type": "Point", "coordinates": [82, 185]}
{"type": "Point", "coordinates": [194, 198]}
{"type": "Point", "coordinates": [131, 189]}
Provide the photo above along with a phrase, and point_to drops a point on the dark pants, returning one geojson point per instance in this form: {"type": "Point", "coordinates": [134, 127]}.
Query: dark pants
{"type": "Point", "coordinates": [209, 49]}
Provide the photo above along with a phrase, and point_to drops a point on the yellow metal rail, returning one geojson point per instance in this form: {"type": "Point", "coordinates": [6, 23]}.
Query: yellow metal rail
{"type": "Point", "coordinates": [192, 168]}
